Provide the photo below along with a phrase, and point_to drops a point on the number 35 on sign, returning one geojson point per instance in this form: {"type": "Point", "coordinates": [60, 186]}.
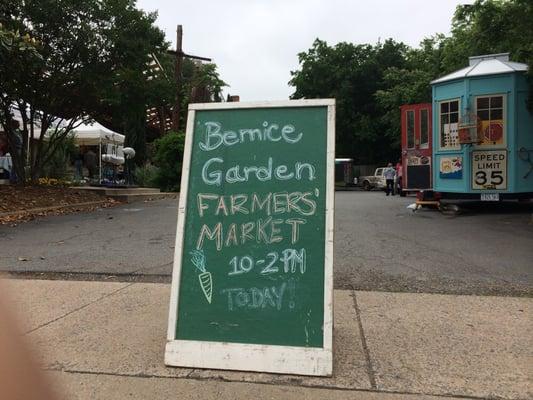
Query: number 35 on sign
{"type": "Point", "coordinates": [489, 170]}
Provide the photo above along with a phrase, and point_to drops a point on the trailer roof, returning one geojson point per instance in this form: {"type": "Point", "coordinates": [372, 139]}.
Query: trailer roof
{"type": "Point", "coordinates": [490, 64]}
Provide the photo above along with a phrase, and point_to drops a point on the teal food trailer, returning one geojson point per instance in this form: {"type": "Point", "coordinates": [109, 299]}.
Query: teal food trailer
{"type": "Point", "coordinates": [483, 131]}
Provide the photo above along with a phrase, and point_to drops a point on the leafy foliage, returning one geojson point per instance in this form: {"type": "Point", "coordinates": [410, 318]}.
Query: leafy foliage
{"type": "Point", "coordinates": [90, 58]}
{"type": "Point", "coordinates": [169, 159]}
{"type": "Point", "coordinates": [201, 83]}
{"type": "Point", "coordinates": [58, 166]}
{"type": "Point", "coordinates": [491, 26]}
{"type": "Point", "coordinates": [370, 83]}
{"type": "Point", "coordinates": [146, 175]}
{"type": "Point", "coordinates": [13, 42]}
{"type": "Point", "coordinates": [132, 89]}
{"type": "Point", "coordinates": [351, 74]}
{"type": "Point", "coordinates": [409, 85]}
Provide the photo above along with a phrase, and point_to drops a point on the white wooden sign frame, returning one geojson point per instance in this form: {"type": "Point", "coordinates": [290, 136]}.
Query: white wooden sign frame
{"type": "Point", "coordinates": [255, 357]}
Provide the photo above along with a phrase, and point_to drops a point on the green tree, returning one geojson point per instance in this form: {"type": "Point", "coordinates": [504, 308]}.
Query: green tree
{"type": "Point", "coordinates": [405, 86]}
{"type": "Point", "coordinates": [205, 84]}
{"type": "Point", "coordinates": [491, 26]}
{"type": "Point", "coordinates": [200, 83]}
{"type": "Point", "coordinates": [133, 88]}
{"type": "Point", "coordinates": [169, 160]}
{"type": "Point", "coordinates": [17, 50]}
{"type": "Point", "coordinates": [410, 84]}
{"type": "Point", "coordinates": [87, 54]}
{"type": "Point", "coordinates": [370, 83]}
{"type": "Point", "coordinates": [352, 74]}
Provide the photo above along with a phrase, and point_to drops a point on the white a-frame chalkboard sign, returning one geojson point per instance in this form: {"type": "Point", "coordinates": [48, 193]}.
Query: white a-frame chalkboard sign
{"type": "Point", "coordinates": [252, 286]}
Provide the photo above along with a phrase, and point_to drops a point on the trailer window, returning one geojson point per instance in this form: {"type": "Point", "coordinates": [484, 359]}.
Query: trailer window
{"type": "Point", "coordinates": [448, 119]}
{"type": "Point", "coordinates": [490, 112]}
{"type": "Point", "coordinates": [424, 129]}
{"type": "Point", "coordinates": [410, 129]}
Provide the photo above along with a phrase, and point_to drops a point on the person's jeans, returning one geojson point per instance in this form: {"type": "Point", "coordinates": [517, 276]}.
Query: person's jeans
{"type": "Point", "coordinates": [78, 165]}
{"type": "Point", "coordinates": [390, 187]}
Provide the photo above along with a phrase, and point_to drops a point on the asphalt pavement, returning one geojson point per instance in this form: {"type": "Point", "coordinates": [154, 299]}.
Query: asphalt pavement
{"type": "Point", "coordinates": [379, 245]}
{"type": "Point", "coordinates": [133, 238]}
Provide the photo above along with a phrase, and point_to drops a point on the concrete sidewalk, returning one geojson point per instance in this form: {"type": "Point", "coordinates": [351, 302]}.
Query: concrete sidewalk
{"type": "Point", "coordinates": [103, 340]}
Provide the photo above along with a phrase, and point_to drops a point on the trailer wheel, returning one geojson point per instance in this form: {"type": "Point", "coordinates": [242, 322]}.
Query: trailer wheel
{"type": "Point", "coordinates": [450, 209]}
{"type": "Point", "coordinates": [366, 185]}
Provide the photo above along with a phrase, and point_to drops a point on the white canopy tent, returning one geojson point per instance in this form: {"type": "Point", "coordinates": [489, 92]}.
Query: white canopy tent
{"type": "Point", "coordinates": [96, 134]}
{"type": "Point", "coordinates": [86, 134]}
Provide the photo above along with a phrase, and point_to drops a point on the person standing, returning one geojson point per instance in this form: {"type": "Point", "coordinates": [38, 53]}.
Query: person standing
{"type": "Point", "coordinates": [389, 175]}
{"type": "Point", "coordinates": [89, 159]}
{"type": "Point", "coordinates": [399, 175]}
{"type": "Point", "coordinates": [15, 144]}
{"type": "Point", "coordinates": [78, 165]}
{"type": "Point", "coordinates": [3, 145]}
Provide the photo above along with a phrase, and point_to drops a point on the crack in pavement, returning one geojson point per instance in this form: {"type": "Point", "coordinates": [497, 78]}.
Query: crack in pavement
{"type": "Point", "coordinates": [289, 382]}
{"type": "Point", "coordinates": [152, 267]}
{"type": "Point", "coordinates": [78, 309]}
{"type": "Point", "coordinates": [369, 367]}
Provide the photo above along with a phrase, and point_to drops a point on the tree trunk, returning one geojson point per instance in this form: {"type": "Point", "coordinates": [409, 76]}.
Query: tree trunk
{"type": "Point", "coordinates": [135, 131]}
{"type": "Point", "coordinates": [14, 144]}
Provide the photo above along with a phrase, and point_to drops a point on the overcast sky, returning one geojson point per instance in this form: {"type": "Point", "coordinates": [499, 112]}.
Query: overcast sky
{"type": "Point", "coordinates": [255, 42]}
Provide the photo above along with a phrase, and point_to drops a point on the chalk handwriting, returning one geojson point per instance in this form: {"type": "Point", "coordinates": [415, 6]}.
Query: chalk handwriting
{"type": "Point", "coordinates": [303, 203]}
{"type": "Point", "coordinates": [292, 261]}
{"type": "Point", "coordinates": [262, 231]}
{"type": "Point", "coordinates": [212, 174]}
{"type": "Point", "coordinates": [204, 276]}
{"type": "Point", "coordinates": [255, 298]}
{"type": "Point", "coordinates": [214, 136]}
{"type": "Point", "coordinates": [270, 267]}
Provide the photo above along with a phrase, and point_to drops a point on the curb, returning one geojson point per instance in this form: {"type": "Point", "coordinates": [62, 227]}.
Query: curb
{"type": "Point", "coordinates": [132, 198]}
{"type": "Point", "coordinates": [52, 208]}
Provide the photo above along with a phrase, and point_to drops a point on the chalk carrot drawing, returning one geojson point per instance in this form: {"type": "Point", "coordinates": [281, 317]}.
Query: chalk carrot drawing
{"type": "Point", "coordinates": [205, 278]}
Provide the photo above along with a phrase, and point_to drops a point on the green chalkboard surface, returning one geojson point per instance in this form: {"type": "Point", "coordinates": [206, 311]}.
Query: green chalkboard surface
{"type": "Point", "coordinates": [253, 249]}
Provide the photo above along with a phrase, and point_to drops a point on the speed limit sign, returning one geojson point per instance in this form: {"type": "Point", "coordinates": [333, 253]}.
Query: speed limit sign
{"type": "Point", "coordinates": [489, 170]}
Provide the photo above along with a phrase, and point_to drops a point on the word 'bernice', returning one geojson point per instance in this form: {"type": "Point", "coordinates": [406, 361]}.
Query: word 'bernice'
{"type": "Point", "coordinates": [213, 176]}
{"type": "Point", "coordinates": [215, 136]}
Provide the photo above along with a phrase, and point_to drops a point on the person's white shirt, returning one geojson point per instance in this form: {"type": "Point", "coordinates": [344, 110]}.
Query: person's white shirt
{"type": "Point", "coordinates": [389, 173]}
{"type": "Point", "coordinates": [6, 162]}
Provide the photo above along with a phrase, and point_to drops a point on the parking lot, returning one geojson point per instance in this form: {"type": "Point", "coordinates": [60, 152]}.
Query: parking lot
{"type": "Point", "coordinates": [379, 245]}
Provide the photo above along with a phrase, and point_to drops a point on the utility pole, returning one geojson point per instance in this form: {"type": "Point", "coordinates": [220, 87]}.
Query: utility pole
{"type": "Point", "coordinates": [177, 73]}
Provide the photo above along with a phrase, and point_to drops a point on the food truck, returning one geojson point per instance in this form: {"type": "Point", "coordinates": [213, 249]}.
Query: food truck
{"type": "Point", "coordinates": [416, 142]}
{"type": "Point", "coordinates": [483, 131]}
